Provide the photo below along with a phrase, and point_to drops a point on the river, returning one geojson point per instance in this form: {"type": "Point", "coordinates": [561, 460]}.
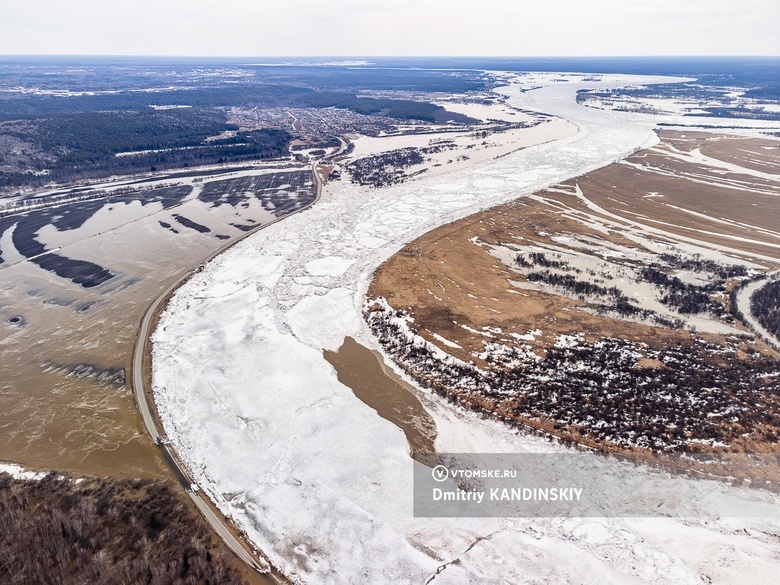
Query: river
{"type": "Point", "coordinates": [308, 469]}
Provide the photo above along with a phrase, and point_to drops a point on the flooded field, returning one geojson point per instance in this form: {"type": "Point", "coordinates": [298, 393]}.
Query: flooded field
{"type": "Point", "coordinates": [75, 278]}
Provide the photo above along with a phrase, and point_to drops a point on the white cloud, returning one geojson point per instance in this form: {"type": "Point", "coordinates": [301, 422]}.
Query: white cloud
{"type": "Point", "coordinates": [387, 27]}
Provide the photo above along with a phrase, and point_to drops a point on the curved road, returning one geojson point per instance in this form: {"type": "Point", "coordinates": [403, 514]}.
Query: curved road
{"type": "Point", "coordinates": [152, 424]}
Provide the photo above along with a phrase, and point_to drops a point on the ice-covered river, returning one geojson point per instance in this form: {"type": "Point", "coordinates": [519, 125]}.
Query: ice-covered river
{"type": "Point", "coordinates": [315, 477]}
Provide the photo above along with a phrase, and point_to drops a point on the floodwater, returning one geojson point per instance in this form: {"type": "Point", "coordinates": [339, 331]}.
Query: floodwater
{"type": "Point", "coordinates": [364, 372]}
{"type": "Point", "coordinates": [68, 323]}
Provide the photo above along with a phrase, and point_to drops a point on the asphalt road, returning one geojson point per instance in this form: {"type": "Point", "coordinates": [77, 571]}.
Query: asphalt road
{"type": "Point", "coordinates": [217, 522]}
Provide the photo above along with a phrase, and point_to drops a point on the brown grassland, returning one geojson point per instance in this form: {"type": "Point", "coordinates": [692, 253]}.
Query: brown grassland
{"type": "Point", "coordinates": [454, 286]}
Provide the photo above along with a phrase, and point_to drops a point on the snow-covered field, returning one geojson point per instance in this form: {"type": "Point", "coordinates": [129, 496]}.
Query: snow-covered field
{"type": "Point", "coordinates": [317, 479]}
{"type": "Point", "coordinates": [680, 107]}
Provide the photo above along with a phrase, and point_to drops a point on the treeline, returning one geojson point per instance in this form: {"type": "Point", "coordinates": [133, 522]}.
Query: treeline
{"type": "Point", "coordinates": [700, 392]}
{"type": "Point", "coordinates": [104, 531]}
{"type": "Point", "coordinates": [380, 170]}
{"type": "Point", "coordinates": [87, 136]}
{"type": "Point", "coordinates": [698, 264]}
{"type": "Point", "coordinates": [396, 77]}
{"type": "Point", "coordinates": [737, 112]}
{"type": "Point", "coordinates": [23, 106]}
{"type": "Point", "coordinates": [69, 147]}
{"type": "Point", "coordinates": [686, 298]}
{"type": "Point", "coordinates": [31, 107]}
{"type": "Point", "coordinates": [617, 302]}
{"type": "Point", "coordinates": [581, 288]}
{"type": "Point", "coordinates": [540, 259]}
{"type": "Point", "coordinates": [393, 108]}
{"type": "Point", "coordinates": [730, 108]}
{"type": "Point", "coordinates": [770, 92]}
{"type": "Point", "coordinates": [765, 307]}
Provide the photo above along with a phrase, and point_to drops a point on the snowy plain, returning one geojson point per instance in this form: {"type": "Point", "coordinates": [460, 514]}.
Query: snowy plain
{"type": "Point", "coordinates": [323, 485]}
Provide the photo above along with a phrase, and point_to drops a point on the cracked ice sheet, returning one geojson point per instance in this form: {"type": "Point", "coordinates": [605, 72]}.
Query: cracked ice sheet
{"type": "Point", "coordinates": [329, 266]}
{"type": "Point", "coordinates": [317, 480]}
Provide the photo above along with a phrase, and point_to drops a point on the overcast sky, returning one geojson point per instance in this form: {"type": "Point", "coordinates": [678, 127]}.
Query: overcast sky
{"type": "Point", "coordinates": [390, 27]}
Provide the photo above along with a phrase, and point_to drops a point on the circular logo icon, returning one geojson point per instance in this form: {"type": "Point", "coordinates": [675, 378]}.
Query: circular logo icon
{"type": "Point", "coordinates": [440, 473]}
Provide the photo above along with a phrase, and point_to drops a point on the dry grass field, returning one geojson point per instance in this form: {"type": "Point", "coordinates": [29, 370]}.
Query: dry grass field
{"type": "Point", "coordinates": [600, 310]}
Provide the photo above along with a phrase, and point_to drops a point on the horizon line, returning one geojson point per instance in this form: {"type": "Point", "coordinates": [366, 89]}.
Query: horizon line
{"type": "Point", "coordinates": [181, 56]}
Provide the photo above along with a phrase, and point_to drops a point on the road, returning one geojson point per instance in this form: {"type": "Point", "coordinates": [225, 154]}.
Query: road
{"type": "Point", "coordinates": [152, 424]}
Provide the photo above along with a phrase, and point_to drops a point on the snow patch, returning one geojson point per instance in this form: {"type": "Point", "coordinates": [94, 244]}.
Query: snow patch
{"type": "Point", "coordinates": [19, 472]}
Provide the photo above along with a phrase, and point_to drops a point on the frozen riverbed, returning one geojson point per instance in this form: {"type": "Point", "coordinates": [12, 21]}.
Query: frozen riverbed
{"type": "Point", "coordinates": [315, 477]}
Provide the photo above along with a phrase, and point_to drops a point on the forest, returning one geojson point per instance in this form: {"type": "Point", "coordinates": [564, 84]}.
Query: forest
{"type": "Point", "coordinates": [765, 306]}
{"type": "Point", "coordinates": [67, 147]}
{"type": "Point", "coordinates": [699, 393]}
{"type": "Point", "coordinates": [58, 530]}
{"type": "Point", "coordinates": [387, 168]}
{"type": "Point", "coordinates": [26, 107]}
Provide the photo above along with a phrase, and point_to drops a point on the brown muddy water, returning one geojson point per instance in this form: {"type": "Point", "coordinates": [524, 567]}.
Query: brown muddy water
{"type": "Point", "coordinates": [63, 396]}
{"type": "Point", "coordinates": [65, 348]}
{"type": "Point", "coordinates": [365, 373]}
